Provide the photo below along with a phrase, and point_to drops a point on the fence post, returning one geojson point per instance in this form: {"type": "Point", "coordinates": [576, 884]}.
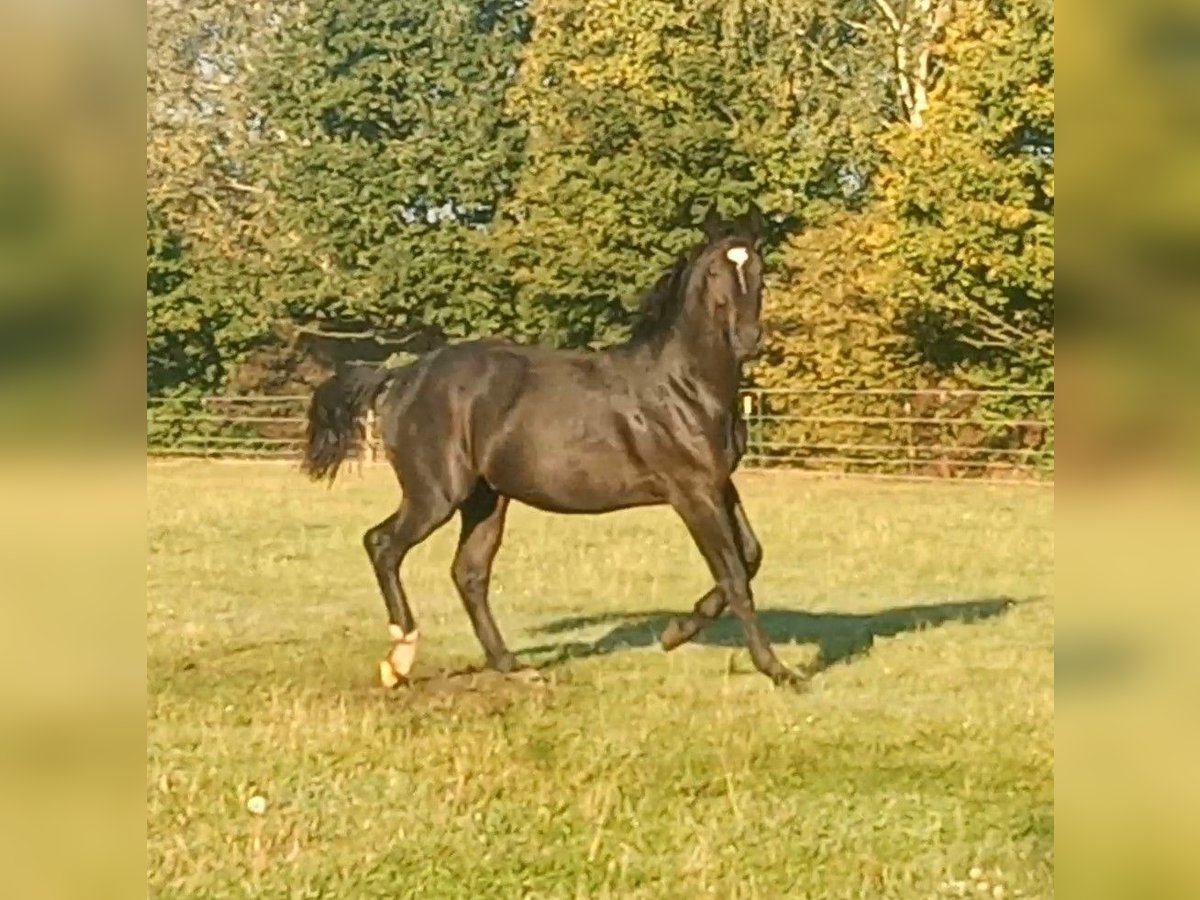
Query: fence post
{"type": "Point", "coordinates": [748, 415]}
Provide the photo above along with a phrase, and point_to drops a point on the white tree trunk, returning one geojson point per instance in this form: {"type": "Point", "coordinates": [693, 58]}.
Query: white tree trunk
{"type": "Point", "coordinates": [914, 43]}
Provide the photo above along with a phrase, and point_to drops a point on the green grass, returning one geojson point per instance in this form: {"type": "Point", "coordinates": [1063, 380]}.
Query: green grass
{"type": "Point", "coordinates": [628, 773]}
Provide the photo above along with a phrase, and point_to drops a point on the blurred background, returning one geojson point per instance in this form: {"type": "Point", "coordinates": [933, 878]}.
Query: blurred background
{"type": "Point", "coordinates": [1127, 505]}
{"type": "Point", "coordinates": [72, 505]}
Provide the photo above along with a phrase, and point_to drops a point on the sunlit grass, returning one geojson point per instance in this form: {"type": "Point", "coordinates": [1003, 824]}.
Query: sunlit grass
{"type": "Point", "coordinates": [921, 767]}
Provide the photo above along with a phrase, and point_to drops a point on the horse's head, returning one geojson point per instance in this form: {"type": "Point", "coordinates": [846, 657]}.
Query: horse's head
{"type": "Point", "coordinates": [724, 282]}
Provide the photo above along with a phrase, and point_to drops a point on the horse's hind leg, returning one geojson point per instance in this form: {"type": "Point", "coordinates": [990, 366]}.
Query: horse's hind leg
{"type": "Point", "coordinates": [712, 604]}
{"type": "Point", "coordinates": [482, 530]}
{"type": "Point", "coordinates": [387, 544]}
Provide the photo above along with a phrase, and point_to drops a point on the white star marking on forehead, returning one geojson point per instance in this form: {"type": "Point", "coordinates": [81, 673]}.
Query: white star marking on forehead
{"type": "Point", "coordinates": [738, 256]}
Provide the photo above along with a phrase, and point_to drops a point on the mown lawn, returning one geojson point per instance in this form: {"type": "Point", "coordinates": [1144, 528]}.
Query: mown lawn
{"type": "Point", "coordinates": [919, 764]}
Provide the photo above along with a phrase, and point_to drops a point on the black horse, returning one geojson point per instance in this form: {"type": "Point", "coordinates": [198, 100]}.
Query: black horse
{"type": "Point", "coordinates": [652, 421]}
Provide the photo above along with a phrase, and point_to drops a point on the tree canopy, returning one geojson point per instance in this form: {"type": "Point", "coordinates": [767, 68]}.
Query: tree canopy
{"type": "Point", "coordinates": [529, 167]}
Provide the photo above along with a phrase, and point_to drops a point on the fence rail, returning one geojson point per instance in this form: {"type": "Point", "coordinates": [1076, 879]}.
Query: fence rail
{"type": "Point", "coordinates": [924, 433]}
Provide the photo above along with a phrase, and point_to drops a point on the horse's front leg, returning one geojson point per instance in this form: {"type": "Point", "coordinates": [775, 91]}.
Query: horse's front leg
{"type": "Point", "coordinates": [711, 605]}
{"type": "Point", "coordinates": [708, 520]}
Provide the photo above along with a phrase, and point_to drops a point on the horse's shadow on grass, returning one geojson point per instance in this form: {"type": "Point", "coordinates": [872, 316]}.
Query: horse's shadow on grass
{"type": "Point", "coordinates": [840, 637]}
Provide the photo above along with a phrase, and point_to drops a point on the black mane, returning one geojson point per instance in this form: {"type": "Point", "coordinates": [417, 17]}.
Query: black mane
{"type": "Point", "coordinates": [660, 306]}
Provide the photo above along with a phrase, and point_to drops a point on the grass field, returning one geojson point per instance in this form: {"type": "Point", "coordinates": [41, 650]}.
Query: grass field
{"type": "Point", "coordinates": [919, 764]}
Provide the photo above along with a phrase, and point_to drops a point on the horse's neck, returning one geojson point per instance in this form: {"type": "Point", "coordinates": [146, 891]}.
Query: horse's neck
{"type": "Point", "coordinates": [710, 366]}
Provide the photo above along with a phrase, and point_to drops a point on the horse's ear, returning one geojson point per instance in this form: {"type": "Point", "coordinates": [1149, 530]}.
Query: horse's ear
{"type": "Point", "coordinates": [712, 223]}
{"type": "Point", "coordinates": [756, 223]}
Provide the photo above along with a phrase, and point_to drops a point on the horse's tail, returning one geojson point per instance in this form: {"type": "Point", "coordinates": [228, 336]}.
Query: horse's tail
{"type": "Point", "coordinates": [335, 418]}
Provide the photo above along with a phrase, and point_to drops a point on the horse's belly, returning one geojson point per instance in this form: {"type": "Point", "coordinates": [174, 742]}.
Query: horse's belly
{"type": "Point", "coordinates": [571, 479]}
{"type": "Point", "coordinates": [583, 503]}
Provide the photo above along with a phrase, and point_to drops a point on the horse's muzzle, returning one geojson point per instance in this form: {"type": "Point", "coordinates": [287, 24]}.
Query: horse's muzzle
{"type": "Point", "coordinates": [750, 349]}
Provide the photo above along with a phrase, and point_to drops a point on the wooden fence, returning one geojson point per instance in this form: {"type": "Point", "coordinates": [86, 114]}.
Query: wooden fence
{"type": "Point", "coordinates": [997, 435]}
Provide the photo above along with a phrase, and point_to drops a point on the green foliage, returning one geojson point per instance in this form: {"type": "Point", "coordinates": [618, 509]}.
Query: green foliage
{"type": "Point", "coordinates": [386, 149]}
{"type": "Point", "coordinates": [636, 109]}
{"type": "Point", "coordinates": [501, 167]}
{"type": "Point", "coordinates": [196, 322]}
{"type": "Point", "coordinates": [633, 773]}
{"type": "Point", "coordinates": [944, 280]}
{"type": "Point", "coordinates": [970, 199]}
{"type": "Point", "coordinates": [208, 226]}
{"type": "Point", "coordinates": [328, 163]}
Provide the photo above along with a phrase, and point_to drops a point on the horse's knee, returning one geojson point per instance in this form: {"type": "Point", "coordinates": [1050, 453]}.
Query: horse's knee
{"type": "Point", "coordinates": [378, 543]}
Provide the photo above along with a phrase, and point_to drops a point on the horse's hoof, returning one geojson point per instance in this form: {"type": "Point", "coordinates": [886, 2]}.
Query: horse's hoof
{"type": "Point", "coordinates": [507, 665]}
{"type": "Point", "coordinates": [388, 676]}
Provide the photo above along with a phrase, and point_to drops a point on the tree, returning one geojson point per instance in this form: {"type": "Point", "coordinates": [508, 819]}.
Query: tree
{"type": "Point", "coordinates": [635, 110]}
{"type": "Point", "coordinates": [914, 31]}
{"type": "Point", "coordinates": [943, 275]}
{"type": "Point", "coordinates": [970, 197]}
{"type": "Point", "coordinates": [208, 225]}
{"type": "Point", "coordinates": [431, 171]}
{"type": "Point", "coordinates": [385, 140]}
